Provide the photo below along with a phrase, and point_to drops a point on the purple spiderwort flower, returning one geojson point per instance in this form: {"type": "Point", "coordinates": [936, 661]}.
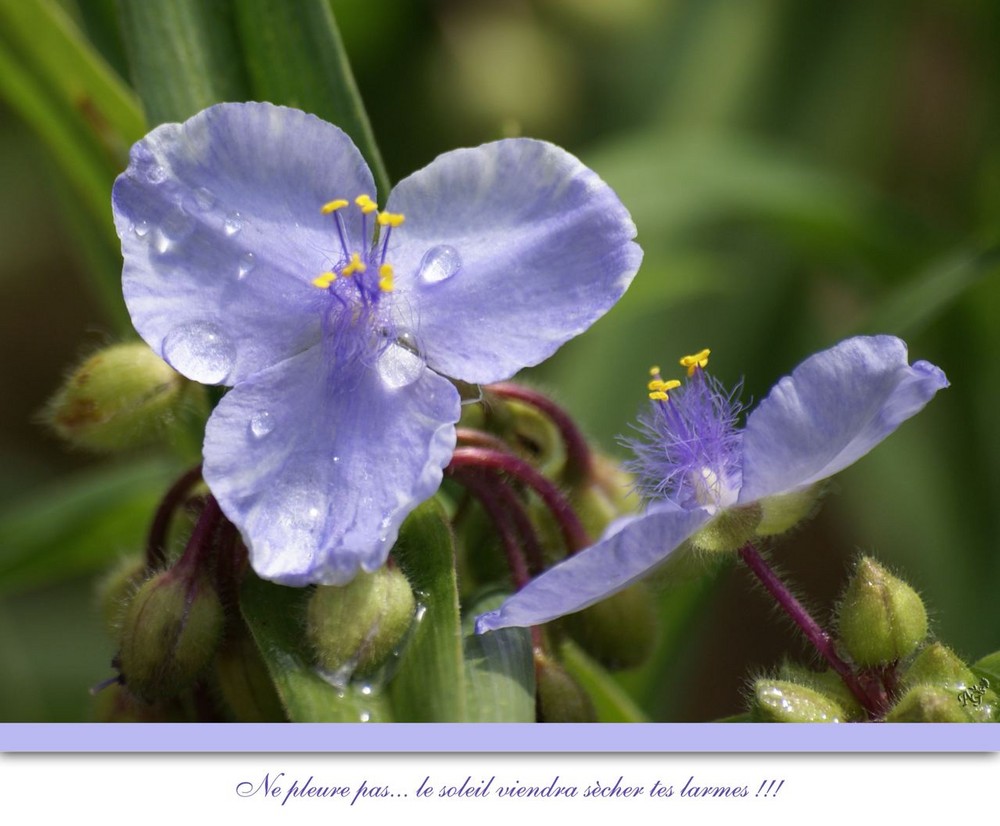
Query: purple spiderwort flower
{"type": "Point", "coordinates": [705, 476]}
{"type": "Point", "coordinates": [252, 260]}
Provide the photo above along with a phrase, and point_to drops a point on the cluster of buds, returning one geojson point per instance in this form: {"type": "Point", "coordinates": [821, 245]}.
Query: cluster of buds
{"type": "Point", "coordinates": [898, 674]}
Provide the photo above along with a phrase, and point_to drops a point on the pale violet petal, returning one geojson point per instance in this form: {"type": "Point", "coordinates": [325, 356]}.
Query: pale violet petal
{"type": "Point", "coordinates": [318, 468]}
{"type": "Point", "coordinates": [834, 407]}
{"type": "Point", "coordinates": [221, 230]}
{"type": "Point", "coordinates": [634, 548]}
{"type": "Point", "coordinates": [508, 251]}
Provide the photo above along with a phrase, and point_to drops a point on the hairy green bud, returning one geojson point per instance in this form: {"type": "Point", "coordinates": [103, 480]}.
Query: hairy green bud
{"type": "Point", "coordinates": [122, 397]}
{"type": "Point", "coordinates": [881, 618]}
{"type": "Point", "coordinates": [358, 626]}
{"type": "Point", "coordinates": [620, 631]}
{"type": "Point", "coordinates": [928, 704]}
{"type": "Point", "coordinates": [170, 632]}
{"type": "Point", "coordinates": [783, 701]}
{"type": "Point", "coordinates": [561, 699]}
{"type": "Point", "coordinates": [116, 589]}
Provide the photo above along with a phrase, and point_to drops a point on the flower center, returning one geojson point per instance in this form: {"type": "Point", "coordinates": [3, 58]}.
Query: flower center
{"type": "Point", "coordinates": [689, 445]}
{"type": "Point", "coordinates": [367, 268]}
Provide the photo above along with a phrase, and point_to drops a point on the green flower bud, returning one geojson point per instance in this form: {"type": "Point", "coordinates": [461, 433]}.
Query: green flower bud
{"type": "Point", "coordinates": [169, 634]}
{"type": "Point", "coordinates": [358, 626]}
{"type": "Point", "coordinates": [620, 631]}
{"type": "Point", "coordinates": [729, 531]}
{"type": "Point", "coordinates": [116, 589]}
{"type": "Point", "coordinates": [245, 682]}
{"type": "Point", "coordinates": [114, 704]}
{"type": "Point", "coordinates": [122, 397]}
{"type": "Point", "coordinates": [561, 699]}
{"type": "Point", "coordinates": [782, 701]}
{"type": "Point", "coordinates": [827, 683]}
{"type": "Point", "coordinates": [928, 704]}
{"type": "Point", "coordinates": [881, 618]}
{"type": "Point", "coordinates": [938, 667]}
{"type": "Point", "coordinates": [783, 512]}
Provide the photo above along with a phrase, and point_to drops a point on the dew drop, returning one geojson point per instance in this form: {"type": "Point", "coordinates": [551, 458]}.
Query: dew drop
{"type": "Point", "coordinates": [141, 229]}
{"type": "Point", "coordinates": [177, 226]}
{"type": "Point", "coordinates": [156, 174]}
{"type": "Point", "coordinates": [161, 243]}
{"type": "Point", "coordinates": [261, 424]}
{"type": "Point", "coordinates": [398, 367]}
{"type": "Point", "coordinates": [201, 351]}
{"type": "Point", "coordinates": [234, 223]}
{"type": "Point", "coordinates": [439, 264]}
{"type": "Point", "coordinates": [247, 263]}
{"type": "Point", "coordinates": [204, 198]}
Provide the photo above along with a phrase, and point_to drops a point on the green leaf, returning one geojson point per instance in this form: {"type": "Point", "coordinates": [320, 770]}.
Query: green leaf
{"type": "Point", "coordinates": [611, 702]}
{"type": "Point", "coordinates": [58, 52]}
{"type": "Point", "coordinates": [81, 524]}
{"type": "Point", "coordinates": [430, 682]}
{"type": "Point", "coordinates": [276, 615]}
{"type": "Point", "coordinates": [500, 671]}
{"type": "Point", "coordinates": [989, 667]}
{"type": "Point", "coordinates": [295, 56]}
{"type": "Point", "coordinates": [184, 55]}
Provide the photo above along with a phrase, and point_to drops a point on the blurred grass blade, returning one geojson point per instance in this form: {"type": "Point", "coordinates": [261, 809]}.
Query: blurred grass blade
{"type": "Point", "coordinates": [79, 525]}
{"type": "Point", "coordinates": [611, 702]}
{"type": "Point", "coordinates": [276, 615]}
{"type": "Point", "coordinates": [58, 52]}
{"type": "Point", "coordinates": [184, 55]}
{"type": "Point", "coordinates": [500, 671]}
{"type": "Point", "coordinates": [913, 306]}
{"type": "Point", "coordinates": [430, 683]}
{"type": "Point", "coordinates": [295, 56]}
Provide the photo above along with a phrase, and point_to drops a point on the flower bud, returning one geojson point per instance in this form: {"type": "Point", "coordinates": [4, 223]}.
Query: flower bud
{"type": "Point", "coordinates": [116, 588]}
{"type": "Point", "coordinates": [114, 704]}
{"type": "Point", "coordinates": [783, 512]}
{"type": "Point", "coordinates": [620, 631]}
{"type": "Point", "coordinates": [245, 682]}
{"type": "Point", "coordinates": [170, 632]}
{"type": "Point", "coordinates": [122, 397]}
{"type": "Point", "coordinates": [358, 626]}
{"type": "Point", "coordinates": [938, 665]}
{"type": "Point", "coordinates": [783, 701]}
{"type": "Point", "coordinates": [561, 699]}
{"type": "Point", "coordinates": [881, 619]}
{"type": "Point", "coordinates": [928, 704]}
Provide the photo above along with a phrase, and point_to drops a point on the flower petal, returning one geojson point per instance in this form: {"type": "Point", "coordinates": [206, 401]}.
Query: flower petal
{"type": "Point", "coordinates": [634, 548]}
{"type": "Point", "coordinates": [508, 251]}
{"type": "Point", "coordinates": [835, 407]}
{"type": "Point", "coordinates": [318, 469]}
{"type": "Point", "coordinates": [222, 233]}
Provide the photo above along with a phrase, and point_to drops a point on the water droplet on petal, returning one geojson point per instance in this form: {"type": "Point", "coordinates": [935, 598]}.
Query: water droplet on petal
{"type": "Point", "coordinates": [141, 229]}
{"type": "Point", "coordinates": [439, 264]}
{"type": "Point", "coordinates": [398, 367]}
{"type": "Point", "coordinates": [234, 223]}
{"type": "Point", "coordinates": [156, 174]}
{"type": "Point", "coordinates": [204, 198]}
{"type": "Point", "coordinates": [201, 351]}
{"type": "Point", "coordinates": [161, 243]}
{"type": "Point", "coordinates": [177, 226]}
{"type": "Point", "coordinates": [247, 263]}
{"type": "Point", "coordinates": [261, 424]}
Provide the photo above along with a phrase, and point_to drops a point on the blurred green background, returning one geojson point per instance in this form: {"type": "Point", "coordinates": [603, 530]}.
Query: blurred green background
{"type": "Point", "coordinates": [799, 171]}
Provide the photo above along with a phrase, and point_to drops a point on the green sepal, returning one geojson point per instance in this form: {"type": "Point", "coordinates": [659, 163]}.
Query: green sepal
{"type": "Point", "coordinates": [783, 512]}
{"type": "Point", "coordinates": [275, 615]}
{"type": "Point", "coordinates": [729, 531]}
{"type": "Point", "coordinates": [783, 701]}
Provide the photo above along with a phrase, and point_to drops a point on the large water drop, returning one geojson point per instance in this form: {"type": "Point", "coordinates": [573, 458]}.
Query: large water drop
{"type": "Point", "coordinates": [201, 351]}
{"type": "Point", "coordinates": [439, 264]}
{"type": "Point", "coordinates": [261, 424]}
{"type": "Point", "coordinates": [398, 367]}
{"type": "Point", "coordinates": [234, 223]}
{"type": "Point", "coordinates": [247, 263]}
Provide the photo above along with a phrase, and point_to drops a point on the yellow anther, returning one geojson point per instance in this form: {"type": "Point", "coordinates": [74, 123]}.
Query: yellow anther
{"type": "Point", "coordinates": [699, 359]}
{"type": "Point", "coordinates": [658, 396]}
{"type": "Point", "coordinates": [659, 385]}
{"type": "Point", "coordinates": [390, 219]}
{"type": "Point", "coordinates": [354, 265]}
{"type": "Point", "coordinates": [366, 203]}
{"type": "Point", "coordinates": [654, 370]}
{"type": "Point", "coordinates": [385, 275]}
{"type": "Point", "coordinates": [324, 280]}
{"type": "Point", "coordinates": [333, 206]}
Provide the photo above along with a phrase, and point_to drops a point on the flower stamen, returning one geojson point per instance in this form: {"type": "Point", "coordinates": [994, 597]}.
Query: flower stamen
{"type": "Point", "coordinates": [658, 388]}
{"type": "Point", "coordinates": [696, 361]}
{"type": "Point", "coordinates": [385, 277]}
{"type": "Point", "coordinates": [354, 265]}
